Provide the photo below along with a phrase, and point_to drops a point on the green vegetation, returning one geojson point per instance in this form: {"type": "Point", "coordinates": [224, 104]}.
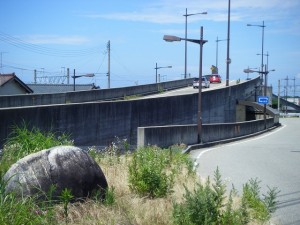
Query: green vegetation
{"type": "Point", "coordinates": [147, 186]}
{"type": "Point", "coordinates": [206, 204]}
{"type": "Point", "coordinates": [152, 171]}
{"type": "Point", "coordinates": [160, 89]}
{"type": "Point", "coordinates": [19, 211]}
{"type": "Point", "coordinates": [131, 97]}
{"type": "Point", "coordinates": [22, 142]}
{"type": "Point", "coordinates": [66, 197]}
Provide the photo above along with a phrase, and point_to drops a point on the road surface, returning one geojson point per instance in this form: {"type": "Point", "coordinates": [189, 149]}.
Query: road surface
{"type": "Point", "coordinates": [273, 158]}
{"type": "Point", "coordinates": [190, 90]}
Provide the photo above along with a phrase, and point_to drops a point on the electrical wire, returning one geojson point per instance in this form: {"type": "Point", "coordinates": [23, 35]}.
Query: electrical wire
{"type": "Point", "coordinates": [19, 43]}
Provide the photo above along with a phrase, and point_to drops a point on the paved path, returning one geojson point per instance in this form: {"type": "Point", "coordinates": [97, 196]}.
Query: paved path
{"type": "Point", "coordinates": [273, 158]}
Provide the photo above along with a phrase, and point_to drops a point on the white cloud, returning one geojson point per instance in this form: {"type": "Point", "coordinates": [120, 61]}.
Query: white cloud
{"type": "Point", "coordinates": [56, 39]}
{"type": "Point", "coordinates": [167, 11]}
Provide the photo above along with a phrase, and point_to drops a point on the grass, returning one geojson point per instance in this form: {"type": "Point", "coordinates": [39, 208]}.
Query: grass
{"type": "Point", "coordinates": [178, 190]}
{"type": "Point", "coordinates": [129, 207]}
{"type": "Point", "coordinates": [131, 97]}
{"type": "Point", "coordinates": [23, 141]}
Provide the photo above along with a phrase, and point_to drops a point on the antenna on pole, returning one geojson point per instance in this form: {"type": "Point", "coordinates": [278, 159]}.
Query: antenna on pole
{"type": "Point", "coordinates": [1, 61]}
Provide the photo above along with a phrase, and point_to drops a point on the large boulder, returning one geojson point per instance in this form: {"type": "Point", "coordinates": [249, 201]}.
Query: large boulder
{"type": "Point", "coordinates": [63, 166]}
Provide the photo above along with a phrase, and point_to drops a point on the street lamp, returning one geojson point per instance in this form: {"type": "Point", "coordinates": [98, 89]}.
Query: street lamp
{"type": "Point", "coordinates": [267, 58]}
{"type": "Point", "coordinates": [185, 49]}
{"type": "Point", "coordinates": [201, 42]}
{"type": "Point", "coordinates": [160, 67]}
{"type": "Point", "coordinates": [217, 41]}
{"type": "Point", "coordinates": [248, 71]}
{"type": "Point", "coordinates": [77, 76]}
{"type": "Point", "coordinates": [228, 60]}
{"type": "Point", "coordinates": [265, 88]}
{"type": "Point", "coordinates": [262, 42]}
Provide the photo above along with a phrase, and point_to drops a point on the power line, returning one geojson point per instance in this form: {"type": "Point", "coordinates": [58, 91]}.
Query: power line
{"type": "Point", "coordinates": [19, 43]}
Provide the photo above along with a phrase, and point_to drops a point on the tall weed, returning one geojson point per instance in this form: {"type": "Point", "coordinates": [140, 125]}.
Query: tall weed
{"type": "Point", "coordinates": [152, 171]}
{"type": "Point", "coordinates": [259, 208]}
{"type": "Point", "coordinates": [22, 142]}
{"type": "Point", "coordinates": [206, 204]}
{"type": "Point", "coordinates": [16, 210]}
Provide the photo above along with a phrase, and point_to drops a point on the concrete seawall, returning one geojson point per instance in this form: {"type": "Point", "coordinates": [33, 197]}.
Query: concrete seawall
{"type": "Point", "coordinates": [98, 123]}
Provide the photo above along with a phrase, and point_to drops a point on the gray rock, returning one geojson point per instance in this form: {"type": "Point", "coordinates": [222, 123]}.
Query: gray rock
{"type": "Point", "coordinates": [63, 166]}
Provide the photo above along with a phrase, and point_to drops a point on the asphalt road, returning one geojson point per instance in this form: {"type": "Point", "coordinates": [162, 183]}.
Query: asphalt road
{"type": "Point", "coordinates": [189, 90]}
{"type": "Point", "coordinates": [273, 158]}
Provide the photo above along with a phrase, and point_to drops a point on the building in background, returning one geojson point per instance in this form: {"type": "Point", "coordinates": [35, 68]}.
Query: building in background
{"type": "Point", "coordinates": [10, 84]}
{"type": "Point", "coordinates": [295, 100]}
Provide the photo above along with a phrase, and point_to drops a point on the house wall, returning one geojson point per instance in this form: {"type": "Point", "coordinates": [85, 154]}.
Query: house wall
{"type": "Point", "coordinates": [11, 88]}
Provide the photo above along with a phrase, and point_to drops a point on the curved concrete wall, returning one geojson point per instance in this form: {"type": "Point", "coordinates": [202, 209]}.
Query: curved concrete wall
{"type": "Point", "coordinates": [98, 123]}
{"type": "Point", "coordinates": [89, 96]}
{"type": "Point", "coordinates": [165, 136]}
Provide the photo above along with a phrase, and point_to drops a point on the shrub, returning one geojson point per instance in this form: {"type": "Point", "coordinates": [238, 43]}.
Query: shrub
{"type": "Point", "coordinates": [206, 204]}
{"type": "Point", "coordinates": [152, 171]}
{"type": "Point", "coordinates": [202, 205]}
{"type": "Point", "coordinates": [259, 208]}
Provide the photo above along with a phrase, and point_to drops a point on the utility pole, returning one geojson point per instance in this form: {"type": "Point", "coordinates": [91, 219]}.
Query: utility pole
{"type": "Point", "coordinates": [286, 92]}
{"type": "Point", "coordinates": [294, 90]}
{"type": "Point", "coordinates": [35, 76]}
{"type": "Point", "coordinates": [108, 70]}
{"type": "Point", "coordinates": [68, 76]}
{"type": "Point", "coordinates": [278, 101]}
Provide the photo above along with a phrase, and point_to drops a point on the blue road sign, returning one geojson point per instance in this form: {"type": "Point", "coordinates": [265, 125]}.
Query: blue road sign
{"type": "Point", "coordinates": [263, 99]}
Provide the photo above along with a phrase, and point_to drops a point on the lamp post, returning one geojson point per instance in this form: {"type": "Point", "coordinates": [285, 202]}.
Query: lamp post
{"type": "Point", "coordinates": [267, 58]}
{"type": "Point", "coordinates": [77, 76]}
{"type": "Point", "coordinates": [217, 49]}
{"type": "Point", "coordinates": [265, 88]}
{"type": "Point", "coordinates": [160, 67]}
{"type": "Point", "coordinates": [185, 49]}
{"type": "Point", "coordinates": [262, 42]}
{"type": "Point", "coordinates": [248, 71]}
{"type": "Point", "coordinates": [228, 60]}
{"type": "Point", "coordinates": [201, 42]}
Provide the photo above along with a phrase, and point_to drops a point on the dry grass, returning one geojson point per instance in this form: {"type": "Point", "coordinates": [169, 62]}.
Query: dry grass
{"type": "Point", "coordinates": [129, 209]}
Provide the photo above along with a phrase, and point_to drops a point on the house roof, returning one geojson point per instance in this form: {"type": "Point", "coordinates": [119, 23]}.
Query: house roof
{"type": "Point", "coordinates": [60, 88]}
{"type": "Point", "coordinates": [5, 78]}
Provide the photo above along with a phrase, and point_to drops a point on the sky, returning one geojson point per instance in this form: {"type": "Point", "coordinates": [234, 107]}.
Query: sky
{"type": "Point", "coordinates": [52, 35]}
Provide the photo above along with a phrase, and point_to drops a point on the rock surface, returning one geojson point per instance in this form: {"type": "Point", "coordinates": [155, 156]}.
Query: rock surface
{"type": "Point", "coordinates": [63, 166]}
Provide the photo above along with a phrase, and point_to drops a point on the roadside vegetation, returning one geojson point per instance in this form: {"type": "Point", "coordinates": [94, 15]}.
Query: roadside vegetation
{"type": "Point", "coordinates": [131, 97]}
{"type": "Point", "coordinates": [146, 186]}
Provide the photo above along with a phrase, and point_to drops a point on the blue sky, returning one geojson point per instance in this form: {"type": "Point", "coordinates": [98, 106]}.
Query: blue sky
{"type": "Point", "coordinates": [50, 36]}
